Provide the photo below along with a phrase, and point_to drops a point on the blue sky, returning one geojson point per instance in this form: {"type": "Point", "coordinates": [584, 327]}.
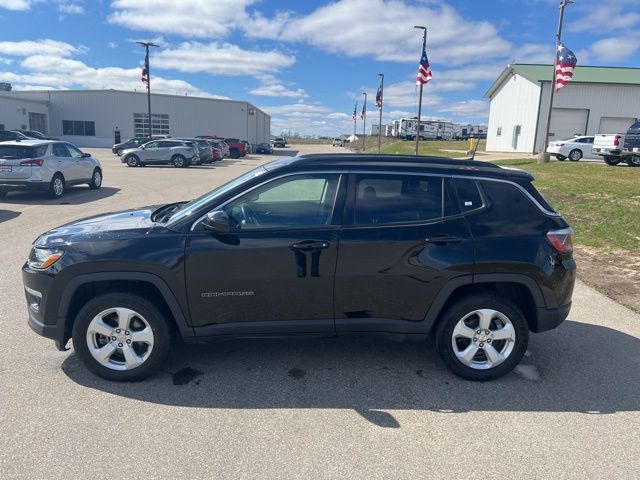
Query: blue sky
{"type": "Point", "coordinates": [306, 62]}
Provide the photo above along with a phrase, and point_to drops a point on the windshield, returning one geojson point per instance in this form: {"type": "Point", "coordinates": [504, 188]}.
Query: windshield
{"type": "Point", "coordinates": [194, 205]}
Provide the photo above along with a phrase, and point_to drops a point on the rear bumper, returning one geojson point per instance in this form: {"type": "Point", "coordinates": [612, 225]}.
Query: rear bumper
{"type": "Point", "coordinates": [550, 318]}
{"type": "Point", "coordinates": [23, 185]}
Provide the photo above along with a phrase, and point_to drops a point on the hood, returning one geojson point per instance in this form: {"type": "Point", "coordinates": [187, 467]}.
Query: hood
{"type": "Point", "coordinates": [118, 224]}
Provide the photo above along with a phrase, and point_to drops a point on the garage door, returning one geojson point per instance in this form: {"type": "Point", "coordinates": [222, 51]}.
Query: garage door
{"type": "Point", "coordinates": [615, 124]}
{"type": "Point", "coordinates": [567, 122]}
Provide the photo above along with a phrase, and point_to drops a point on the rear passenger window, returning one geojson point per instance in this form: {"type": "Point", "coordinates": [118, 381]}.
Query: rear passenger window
{"type": "Point", "coordinates": [469, 197]}
{"type": "Point", "coordinates": [397, 199]}
{"type": "Point", "coordinates": [507, 202]}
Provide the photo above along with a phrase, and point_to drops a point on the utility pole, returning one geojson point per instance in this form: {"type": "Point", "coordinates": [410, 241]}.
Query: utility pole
{"type": "Point", "coordinates": [146, 46]}
{"type": "Point", "coordinates": [364, 121]}
{"type": "Point", "coordinates": [381, 75]}
{"type": "Point", "coordinates": [424, 46]}
{"type": "Point", "coordinates": [543, 156]}
{"type": "Point", "coordinates": [355, 120]}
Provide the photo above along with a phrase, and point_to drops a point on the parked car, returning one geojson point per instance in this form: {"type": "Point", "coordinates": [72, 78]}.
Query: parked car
{"type": "Point", "coordinates": [618, 147]}
{"type": "Point", "coordinates": [572, 148]}
{"type": "Point", "coordinates": [338, 142]}
{"type": "Point", "coordinates": [33, 134]}
{"type": "Point", "coordinates": [264, 148]}
{"type": "Point", "coordinates": [466, 251]}
{"type": "Point", "coordinates": [178, 153]}
{"type": "Point", "coordinates": [226, 151]}
{"type": "Point", "coordinates": [45, 165]}
{"type": "Point", "coordinates": [217, 151]}
{"type": "Point", "coordinates": [12, 135]}
{"type": "Point", "coordinates": [119, 148]}
{"type": "Point", "coordinates": [279, 142]}
{"type": "Point", "coordinates": [204, 149]}
{"type": "Point", "coordinates": [248, 148]}
{"type": "Point", "coordinates": [236, 147]}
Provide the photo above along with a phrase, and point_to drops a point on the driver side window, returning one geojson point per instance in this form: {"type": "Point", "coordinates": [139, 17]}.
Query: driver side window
{"type": "Point", "coordinates": [299, 201]}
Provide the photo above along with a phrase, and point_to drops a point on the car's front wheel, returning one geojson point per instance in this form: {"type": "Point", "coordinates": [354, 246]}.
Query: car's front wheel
{"type": "Point", "coordinates": [96, 179]}
{"type": "Point", "coordinates": [133, 161]}
{"type": "Point", "coordinates": [482, 337]}
{"type": "Point", "coordinates": [119, 152]}
{"type": "Point", "coordinates": [633, 161]}
{"type": "Point", "coordinates": [121, 337]}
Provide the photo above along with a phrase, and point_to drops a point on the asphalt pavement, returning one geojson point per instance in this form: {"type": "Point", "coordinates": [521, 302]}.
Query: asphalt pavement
{"type": "Point", "coordinates": [333, 408]}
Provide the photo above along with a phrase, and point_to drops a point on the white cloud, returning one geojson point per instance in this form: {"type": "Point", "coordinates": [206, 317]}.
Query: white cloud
{"type": "Point", "coordinates": [6, 61]}
{"type": "Point", "coordinates": [71, 9]}
{"type": "Point", "coordinates": [225, 59]}
{"type": "Point", "coordinates": [188, 18]}
{"type": "Point", "coordinates": [467, 109]}
{"type": "Point", "coordinates": [112, 45]}
{"type": "Point", "coordinates": [606, 17]}
{"type": "Point", "coordinates": [15, 4]}
{"type": "Point", "coordinates": [40, 47]}
{"type": "Point", "coordinates": [534, 53]}
{"type": "Point", "coordinates": [300, 109]}
{"type": "Point", "coordinates": [270, 86]}
{"type": "Point", "coordinates": [615, 48]}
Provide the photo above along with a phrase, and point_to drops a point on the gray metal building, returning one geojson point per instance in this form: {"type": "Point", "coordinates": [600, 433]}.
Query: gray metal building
{"type": "Point", "coordinates": [96, 118]}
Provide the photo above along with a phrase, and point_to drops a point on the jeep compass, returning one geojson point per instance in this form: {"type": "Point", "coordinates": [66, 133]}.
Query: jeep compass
{"type": "Point", "coordinates": [466, 252]}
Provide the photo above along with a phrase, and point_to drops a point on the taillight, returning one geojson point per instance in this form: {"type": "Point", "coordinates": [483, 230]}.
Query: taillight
{"type": "Point", "coordinates": [32, 163]}
{"type": "Point", "coordinates": [616, 140]}
{"type": "Point", "coordinates": [561, 240]}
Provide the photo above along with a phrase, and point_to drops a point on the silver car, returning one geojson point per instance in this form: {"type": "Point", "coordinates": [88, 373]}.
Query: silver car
{"type": "Point", "coordinates": [162, 152]}
{"type": "Point", "coordinates": [46, 165]}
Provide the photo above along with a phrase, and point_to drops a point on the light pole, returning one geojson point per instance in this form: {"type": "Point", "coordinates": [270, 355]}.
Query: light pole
{"type": "Point", "coordinates": [543, 156]}
{"type": "Point", "coordinates": [424, 46]}
{"type": "Point", "coordinates": [146, 46]}
{"type": "Point", "coordinates": [364, 121]}
{"type": "Point", "coordinates": [381, 75]}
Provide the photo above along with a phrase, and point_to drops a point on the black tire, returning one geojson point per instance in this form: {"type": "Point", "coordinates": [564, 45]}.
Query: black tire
{"type": "Point", "coordinates": [119, 152]}
{"type": "Point", "coordinates": [633, 161]}
{"type": "Point", "coordinates": [132, 161]}
{"type": "Point", "coordinates": [57, 186]}
{"type": "Point", "coordinates": [234, 153]}
{"type": "Point", "coordinates": [458, 311]}
{"type": "Point", "coordinates": [575, 155]}
{"type": "Point", "coordinates": [179, 161]}
{"type": "Point", "coordinates": [561, 158]}
{"type": "Point", "coordinates": [609, 160]}
{"type": "Point", "coordinates": [159, 324]}
{"type": "Point", "coordinates": [96, 179]}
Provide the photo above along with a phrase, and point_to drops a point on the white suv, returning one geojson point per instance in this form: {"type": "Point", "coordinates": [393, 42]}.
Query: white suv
{"type": "Point", "coordinates": [46, 165]}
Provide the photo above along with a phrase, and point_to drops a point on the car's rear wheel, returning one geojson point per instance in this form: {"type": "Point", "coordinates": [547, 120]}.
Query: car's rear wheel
{"type": "Point", "coordinates": [609, 160]}
{"type": "Point", "coordinates": [96, 179]}
{"type": "Point", "coordinates": [575, 155]}
{"type": "Point", "coordinates": [482, 337]}
{"type": "Point", "coordinates": [562, 158]}
{"type": "Point", "coordinates": [179, 161]}
{"type": "Point", "coordinates": [57, 186]}
{"type": "Point", "coordinates": [133, 161]}
{"type": "Point", "coordinates": [121, 337]}
{"type": "Point", "coordinates": [633, 161]}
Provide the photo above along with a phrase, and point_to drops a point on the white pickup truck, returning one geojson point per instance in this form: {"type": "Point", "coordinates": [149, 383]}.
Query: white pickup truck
{"type": "Point", "coordinates": [616, 147]}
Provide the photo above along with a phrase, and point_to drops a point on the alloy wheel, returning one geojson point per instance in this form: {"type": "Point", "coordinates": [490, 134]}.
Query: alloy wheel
{"type": "Point", "coordinates": [120, 338]}
{"type": "Point", "coordinates": [97, 178]}
{"type": "Point", "coordinates": [483, 339]}
{"type": "Point", "coordinates": [58, 186]}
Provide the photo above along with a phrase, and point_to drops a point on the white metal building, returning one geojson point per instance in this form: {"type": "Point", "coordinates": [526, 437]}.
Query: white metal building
{"type": "Point", "coordinates": [597, 100]}
{"type": "Point", "coordinates": [96, 118]}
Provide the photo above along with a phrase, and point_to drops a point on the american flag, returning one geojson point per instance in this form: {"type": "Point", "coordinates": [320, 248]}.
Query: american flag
{"type": "Point", "coordinates": [565, 65]}
{"type": "Point", "coordinates": [145, 71]}
{"type": "Point", "coordinates": [379, 96]}
{"type": "Point", "coordinates": [355, 112]}
{"type": "Point", "coordinates": [424, 70]}
{"type": "Point", "coordinates": [364, 111]}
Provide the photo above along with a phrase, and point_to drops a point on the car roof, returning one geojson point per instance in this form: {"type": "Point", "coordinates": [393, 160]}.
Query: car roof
{"type": "Point", "coordinates": [29, 143]}
{"type": "Point", "coordinates": [450, 166]}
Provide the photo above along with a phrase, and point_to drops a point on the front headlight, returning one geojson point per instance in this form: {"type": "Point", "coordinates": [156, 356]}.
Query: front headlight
{"type": "Point", "coordinates": [43, 258]}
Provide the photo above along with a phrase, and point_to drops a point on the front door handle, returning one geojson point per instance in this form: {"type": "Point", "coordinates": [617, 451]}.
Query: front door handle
{"type": "Point", "coordinates": [310, 245]}
{"type": "Point", "coordinates": [443, 239]}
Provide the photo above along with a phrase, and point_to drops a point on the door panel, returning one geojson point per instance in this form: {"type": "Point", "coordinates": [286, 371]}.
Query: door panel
{"type": "Point", "coordinates": [83, 165]}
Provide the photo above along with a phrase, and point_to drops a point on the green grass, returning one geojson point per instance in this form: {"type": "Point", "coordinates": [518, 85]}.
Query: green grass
{"type": "Point", "coordinates": [427, 147]}
{"type": "Point", "coordinates": [601, 203]}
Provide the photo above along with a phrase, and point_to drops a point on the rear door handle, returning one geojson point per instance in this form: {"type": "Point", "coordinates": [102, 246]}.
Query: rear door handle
{"type": "Point", "coordinates": [443, 239]}
{"type": "Point", "coordinates": [309, 245]}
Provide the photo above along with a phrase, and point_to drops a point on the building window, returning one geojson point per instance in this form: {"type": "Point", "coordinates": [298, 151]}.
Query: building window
{"type": "Point", "coordinates": [499, 132]}
{"type": "Point", "coordinates": [159, 124]}
{"type": "Point", "coordinates": [79, 128]}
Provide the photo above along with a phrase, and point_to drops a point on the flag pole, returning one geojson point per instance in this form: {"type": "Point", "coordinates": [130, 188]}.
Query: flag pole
{"type": "Point", "coordinates": [424, 46]}
{"type": "Point", "coordinates": [364, 121]}
{"type": "Point", "coordinates": [355, 120]}
{"type": "Point", "coordinates": [543, 156]}
{"type": "Point", "coordinates": [381, 75]}
{"type": "Point", "coordinates": [146, 46]}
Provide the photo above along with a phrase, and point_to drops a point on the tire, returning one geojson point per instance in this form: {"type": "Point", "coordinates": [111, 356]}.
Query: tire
{"type": "Point", "coordinates": [234, 153]}
{"type": "Point", "coordinates": [499, 312]}
{"type": "Point", "coordinates": [609, 160]}
{"type": "Point", "coordinates": [96, 179]}
{"type": "Point", "coordinates": [132, 161]}
{"type": "Point", "coordinates": [561, 158]}
{"type": "Point", "coordinates": [633, 161]}
{"type": "Point", "coordinates": [179, 161]}
{"type": "Point", "coordinates": [57, 186]}
{"type": "Point", "coordinates": [119, 152]}
{"type": "Point", "coordinates": [123, 317]}
{"type": "Point", "coordinates": [575, 155]}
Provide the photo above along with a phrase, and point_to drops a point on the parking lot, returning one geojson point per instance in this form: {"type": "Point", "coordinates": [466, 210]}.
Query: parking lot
{"type": "Point", "coordinates": [332, 408]}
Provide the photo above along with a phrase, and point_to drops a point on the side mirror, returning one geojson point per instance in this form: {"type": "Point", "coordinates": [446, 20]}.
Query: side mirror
{"type": "Point", "coordinates": [86, 155]}
{"type": "Point", "coordinates": [217, 222]}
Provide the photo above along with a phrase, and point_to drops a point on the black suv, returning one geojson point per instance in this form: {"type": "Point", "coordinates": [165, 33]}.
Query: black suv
{"type": "Point", "coordinates": [316, 245]}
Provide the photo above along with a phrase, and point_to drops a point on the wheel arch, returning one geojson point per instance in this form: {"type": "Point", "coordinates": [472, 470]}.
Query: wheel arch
{"type": "Point", "coordinates": [84, 287]}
